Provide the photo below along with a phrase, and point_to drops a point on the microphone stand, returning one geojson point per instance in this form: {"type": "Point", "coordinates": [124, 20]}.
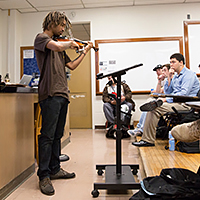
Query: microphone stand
{"type": "Point", "coordinates": [117, 177]}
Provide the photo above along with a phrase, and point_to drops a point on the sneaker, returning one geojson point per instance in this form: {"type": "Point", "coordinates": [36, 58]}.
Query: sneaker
{"type": "Point", "coordinates": [46, 186]}
{"type": "Point", "coordinates": [143, 143]}
{"type": "Point", "coordinates": [62, 174]}
{"type": "Point", "coordinates": [152, 105]}
{"type": "Point", "coordinates": [63, 157]}
{"type": "Point", "coordinates": [134, 132]}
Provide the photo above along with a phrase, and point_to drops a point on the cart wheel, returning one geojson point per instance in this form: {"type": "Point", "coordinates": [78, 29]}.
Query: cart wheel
{"type": "Point", "coordinates": [134, 171]}
{"type": "Point", "coordinates": [100, 172]}
{"type": "Point", "coordinates": [95, 193]}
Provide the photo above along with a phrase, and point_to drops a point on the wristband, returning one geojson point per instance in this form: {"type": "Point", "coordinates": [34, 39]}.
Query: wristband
{"type": "Point", "coordinates": [83, 53]}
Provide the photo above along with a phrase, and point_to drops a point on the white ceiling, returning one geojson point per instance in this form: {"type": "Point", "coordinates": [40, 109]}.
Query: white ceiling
{"type": "Point", "coordinates": [30, 6]}
{"type": "Point", "coordinates": [24, 6]}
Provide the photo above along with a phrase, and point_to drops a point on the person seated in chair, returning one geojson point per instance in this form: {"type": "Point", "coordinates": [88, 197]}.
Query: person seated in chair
{"type": "Point", "coordinates": [109, 106]}
{"type": "Point", "coordinates": [164, 72]}
{"type": "Point", "coordinates": [184, 83]}
{"type": "Point", "coordinates": [187, 132]}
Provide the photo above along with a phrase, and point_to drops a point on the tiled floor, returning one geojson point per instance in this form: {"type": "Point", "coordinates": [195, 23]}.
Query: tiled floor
{"type": "Point", "coordinates": [86, 149]}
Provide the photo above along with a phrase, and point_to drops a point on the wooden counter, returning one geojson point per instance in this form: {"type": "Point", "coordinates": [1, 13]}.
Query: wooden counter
{"type": "Point", "coordinates": [19, 126]}
{"type": "Point", "coordinates": [18, 132]}
{"type": "Point", "coordinates": [17, 160]}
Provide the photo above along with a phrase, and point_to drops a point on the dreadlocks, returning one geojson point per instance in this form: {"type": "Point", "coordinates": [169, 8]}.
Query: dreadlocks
{"type": "Point", "coordinates": [55, 18]}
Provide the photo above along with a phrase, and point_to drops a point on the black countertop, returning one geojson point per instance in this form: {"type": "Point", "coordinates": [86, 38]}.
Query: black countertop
{"type": "Point", "coordinates": [18, 89]}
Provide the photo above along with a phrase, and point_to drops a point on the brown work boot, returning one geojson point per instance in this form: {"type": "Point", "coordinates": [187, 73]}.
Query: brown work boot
{"type": "Point", "coordinates": [62, 174]}
{"type": "Point", "coordinates": [46, 186]}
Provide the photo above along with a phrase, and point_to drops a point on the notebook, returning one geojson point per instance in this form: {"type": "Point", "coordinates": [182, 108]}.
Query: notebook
{"type": "Point", "coordinates": [26, 79]}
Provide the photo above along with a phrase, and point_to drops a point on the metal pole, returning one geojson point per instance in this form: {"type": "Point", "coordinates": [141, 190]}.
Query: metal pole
{"type": "Point", "coordinates": [118, 133]}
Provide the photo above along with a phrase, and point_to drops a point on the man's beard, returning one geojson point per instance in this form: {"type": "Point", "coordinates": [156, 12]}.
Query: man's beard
{"type": "Point", "coordinates": [56, 35]}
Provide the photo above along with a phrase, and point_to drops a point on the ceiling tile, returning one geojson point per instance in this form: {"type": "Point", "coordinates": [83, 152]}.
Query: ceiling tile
{"type": "Point", "coordinates": [27, 10]}
{"type": "Point", "coordinates": [154, 2]}
{"type": "Point", "coordinates": [14, 4]}
{"type": "Point", "coordinates": [44, 3]}
{"type": "Point", "coordinates": [108, 4]}
{"type": "Point", "coordinates": [50, 8]}
{"type": "Point", "coordinates": [105, 1]}
{"type": "Point", "coordinates": [191, 1]}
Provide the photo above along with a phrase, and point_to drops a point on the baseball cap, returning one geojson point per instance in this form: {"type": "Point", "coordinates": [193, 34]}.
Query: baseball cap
{"type": "Point", "coordinates": [157, 67]}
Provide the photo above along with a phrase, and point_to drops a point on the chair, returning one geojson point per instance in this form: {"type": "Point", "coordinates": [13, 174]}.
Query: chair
{"type": "Point", "coordinates": [125, 122]}
{"type": "Point", "coordinates": [172, 119]}
{"type": "Point", "coordinates": [125, 126]}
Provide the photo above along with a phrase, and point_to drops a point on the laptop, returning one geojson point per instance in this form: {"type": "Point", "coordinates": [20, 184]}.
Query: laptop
{"type": "Point", "coordinates": [25, 80]}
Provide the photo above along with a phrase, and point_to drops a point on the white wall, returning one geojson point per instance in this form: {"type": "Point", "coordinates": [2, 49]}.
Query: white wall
{"type": "Point", "coordinates": [3, 43]}
{"type": "Point", "coordinates": [111, 23]}
{"type": "Point", "coordinates": [10, 41]}
{"type": "Point", "coordinates": [14, 42]}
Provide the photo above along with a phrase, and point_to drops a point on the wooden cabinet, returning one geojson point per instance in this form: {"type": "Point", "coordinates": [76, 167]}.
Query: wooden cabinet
{"type": "Point", "coordinates": [16, 139]}
{"type": "Point", "coordinates": [20, 124]}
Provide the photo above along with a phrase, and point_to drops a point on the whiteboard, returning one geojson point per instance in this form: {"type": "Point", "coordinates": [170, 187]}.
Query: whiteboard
{"type": "Point", "coordinates": [113, 56]}
{"type": "Point", "coordinates": [194, 46]}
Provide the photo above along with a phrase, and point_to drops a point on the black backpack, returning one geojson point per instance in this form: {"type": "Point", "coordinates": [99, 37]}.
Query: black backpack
{"type": "Point", "coordinates": [173, 183]}
{"type": "Point", "coordinates": [188, 147]}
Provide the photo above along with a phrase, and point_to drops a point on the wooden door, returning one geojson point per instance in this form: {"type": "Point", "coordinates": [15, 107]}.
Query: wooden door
{"type": "Point", "coordinates": [80, 108]}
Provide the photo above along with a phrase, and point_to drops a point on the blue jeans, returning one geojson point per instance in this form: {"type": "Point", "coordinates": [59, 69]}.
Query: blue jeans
{"type": "Point", "coordinates": [140, 125]}
{"type": "Point", "coordinates": [54, 111]}
{"type": "Point", "coordinates": [110, 111]}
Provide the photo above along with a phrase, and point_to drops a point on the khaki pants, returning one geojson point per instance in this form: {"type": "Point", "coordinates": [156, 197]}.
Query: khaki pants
{"type": "Point", "coordinates": [152, 118]}
{"type": "Point", "coordinates": [185, 132]}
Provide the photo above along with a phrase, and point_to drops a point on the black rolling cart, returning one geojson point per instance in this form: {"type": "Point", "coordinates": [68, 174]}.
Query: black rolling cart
{"type": "Point", "coordinates": [117, 177]}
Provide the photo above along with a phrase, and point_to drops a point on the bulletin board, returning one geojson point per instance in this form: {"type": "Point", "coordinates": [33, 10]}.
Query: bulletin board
{"type": "Point", "coordinates": [192, 45]}
{"type": "Point", "coordinates": [116, 54]}
{"type": "Point", "coordinates": [28, 61]}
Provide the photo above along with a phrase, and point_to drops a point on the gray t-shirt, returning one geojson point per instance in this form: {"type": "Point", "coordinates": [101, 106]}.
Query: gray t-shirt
{"type": "Point", "coordinates": [53, 80]}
